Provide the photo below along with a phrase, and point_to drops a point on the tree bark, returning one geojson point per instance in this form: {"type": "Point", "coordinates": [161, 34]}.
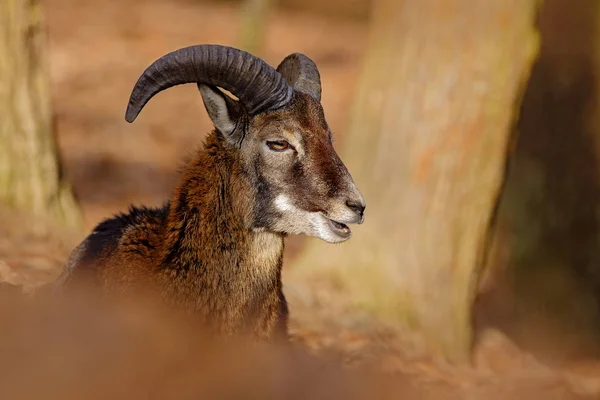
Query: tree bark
{"type": "Point", "coordinates": [254, 18]}
{"type": "Point", "coordinates": [29, 169]}
{"type": "Point", "coordinates": [545, 270]}
{"type": "Point", "coordinates": [428, 142]}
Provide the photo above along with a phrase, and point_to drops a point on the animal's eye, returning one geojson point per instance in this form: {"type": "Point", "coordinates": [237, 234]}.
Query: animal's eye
{"type": "Point", "coordinates": [278, 145]}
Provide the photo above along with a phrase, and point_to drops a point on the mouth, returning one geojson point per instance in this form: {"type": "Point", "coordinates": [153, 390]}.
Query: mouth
{"type": "Point", "coordinates": [340, 229]}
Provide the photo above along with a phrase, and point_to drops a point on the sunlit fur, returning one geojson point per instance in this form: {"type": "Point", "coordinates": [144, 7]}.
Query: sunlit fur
{"type": "Point", "coordinates": [300, 188]}
{"type": "Point", "coordinates": [215, 249]}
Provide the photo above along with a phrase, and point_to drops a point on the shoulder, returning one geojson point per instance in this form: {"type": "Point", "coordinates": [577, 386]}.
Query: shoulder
{"type": "Point", "coordinates": [110, 233]}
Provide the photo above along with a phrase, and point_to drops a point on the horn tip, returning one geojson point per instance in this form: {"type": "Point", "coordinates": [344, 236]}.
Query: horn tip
{"type": "Point", "coordinates": [131, 114]}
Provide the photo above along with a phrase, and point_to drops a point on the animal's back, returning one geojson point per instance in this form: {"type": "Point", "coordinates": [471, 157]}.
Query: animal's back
{"type": "Point", "coordinates": [120, 251]}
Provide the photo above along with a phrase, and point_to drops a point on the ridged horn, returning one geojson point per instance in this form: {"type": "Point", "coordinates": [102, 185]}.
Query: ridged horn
{"type": "Point", "coordinates": [258, 86]}
{"type": "Point", "coordinates": [302, 74]}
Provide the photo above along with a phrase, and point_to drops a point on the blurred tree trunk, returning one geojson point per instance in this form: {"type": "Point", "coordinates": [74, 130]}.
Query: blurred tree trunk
{"type": "Point", "coordinates": [428, 143]}
{"type": "Point", "coordinates": [29, 170]}
{"type": "Point", "coordinates": [254, 19]}
{"type": "Point", "coordinates": [544, 273]}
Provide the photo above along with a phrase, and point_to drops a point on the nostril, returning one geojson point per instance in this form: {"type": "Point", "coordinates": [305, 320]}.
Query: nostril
{"type": "Point", "coordinates": [356, 206]}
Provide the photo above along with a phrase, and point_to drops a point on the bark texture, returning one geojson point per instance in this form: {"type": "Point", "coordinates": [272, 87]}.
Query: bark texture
{"type": "Point", "coordinates": [29, 169]}
{"type": "Point", "coordinates": [430, 131]}
{"type": "Point", "coordinates": [254, 19]}
{"type": "Point", "coordinates": [545, 267]}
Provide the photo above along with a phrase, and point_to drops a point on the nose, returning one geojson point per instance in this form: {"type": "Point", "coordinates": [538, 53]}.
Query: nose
{"type": "Point", "coordinates": [357, 206]}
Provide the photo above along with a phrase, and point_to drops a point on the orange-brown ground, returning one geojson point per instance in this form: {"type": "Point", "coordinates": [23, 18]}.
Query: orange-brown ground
{"type": "Point", "coordinates": [98, 49]}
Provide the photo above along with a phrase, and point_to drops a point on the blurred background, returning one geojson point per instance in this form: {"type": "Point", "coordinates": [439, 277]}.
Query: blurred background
{"type": "Point", "coordinates": [472, 129]}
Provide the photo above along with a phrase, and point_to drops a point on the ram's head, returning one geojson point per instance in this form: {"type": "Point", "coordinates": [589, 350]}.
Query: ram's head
{"type": "Point", "coordinates": [277, 128]}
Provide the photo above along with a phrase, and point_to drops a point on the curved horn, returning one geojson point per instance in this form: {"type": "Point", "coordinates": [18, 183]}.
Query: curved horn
{"type": "Point", "coordinates": [256, 84]}
{"type": "Point", "coordinates": [302, 74]}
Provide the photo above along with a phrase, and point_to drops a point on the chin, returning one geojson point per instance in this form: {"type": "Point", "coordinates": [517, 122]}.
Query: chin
{"type": "Point", "coordinates": [332, 232]}
{"type": "Point", "coordinates": [333, 239]}
{"type": "Point", "coordinates": [317, 225]}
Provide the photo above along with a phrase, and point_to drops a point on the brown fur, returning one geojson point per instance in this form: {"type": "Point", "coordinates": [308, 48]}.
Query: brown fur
{"type": "Point", "coordinates": [215, 249]}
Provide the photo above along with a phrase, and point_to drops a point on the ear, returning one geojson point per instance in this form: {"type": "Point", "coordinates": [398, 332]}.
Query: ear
{"type": "Point", "coordinates": [302, 74]}
{"type": "Point", "coordinates": [222, 110]}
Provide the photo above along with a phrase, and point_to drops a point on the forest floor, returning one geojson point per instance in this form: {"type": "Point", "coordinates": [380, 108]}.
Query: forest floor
{"type": "Point", "coordinates": [97, 51]}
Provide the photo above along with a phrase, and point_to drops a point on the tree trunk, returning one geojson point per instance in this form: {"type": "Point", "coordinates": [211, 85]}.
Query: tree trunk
{"type": "Point", "coordinates": [427, 146]}
{"type": "Point", "coordinates": [254, 20]}
{"type": "Point", "coordinates": [545, 270]}
{"type": "Point", "coordinates": [29, 170]}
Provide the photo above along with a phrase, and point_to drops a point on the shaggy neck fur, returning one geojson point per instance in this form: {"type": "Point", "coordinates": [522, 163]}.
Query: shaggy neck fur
{"type": "Point", "coordinates": [209, 242]}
